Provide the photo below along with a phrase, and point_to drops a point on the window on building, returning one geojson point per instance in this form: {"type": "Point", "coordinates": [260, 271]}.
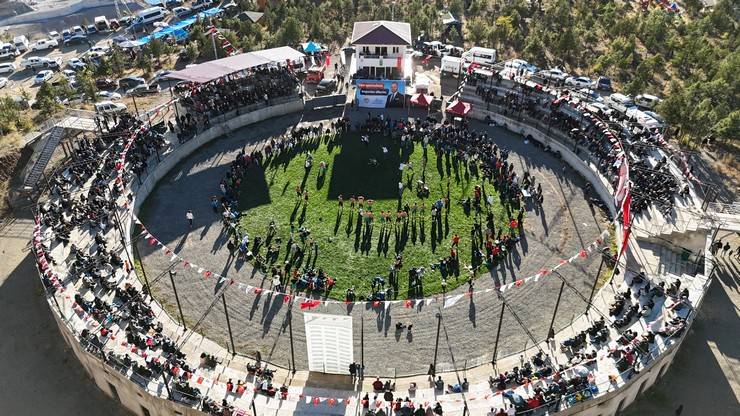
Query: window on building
{"type": "Point", "coordinates": [384, 51]}
{"type": "Point", "coordinates": [366, 49]}
{"type": "Point", "coordinates": [395, 49]}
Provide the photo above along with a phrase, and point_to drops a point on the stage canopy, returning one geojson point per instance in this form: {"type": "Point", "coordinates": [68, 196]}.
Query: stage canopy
{"type": "Point", "coordinates": [208, 71]}
{"type": "Point", "coordinates": [459, 108]}
{"type": "Point", "coordinates": [422, 100]}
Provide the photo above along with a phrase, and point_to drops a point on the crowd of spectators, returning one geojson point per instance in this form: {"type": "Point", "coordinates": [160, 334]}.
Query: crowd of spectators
{"type": "Point", "coordinates": [227, 94]}
{"type": "Point", "coordinates": [645, 147]}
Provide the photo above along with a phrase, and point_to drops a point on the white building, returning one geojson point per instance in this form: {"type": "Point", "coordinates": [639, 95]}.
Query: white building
{"type": "Point", "coordinates": [381, 50]}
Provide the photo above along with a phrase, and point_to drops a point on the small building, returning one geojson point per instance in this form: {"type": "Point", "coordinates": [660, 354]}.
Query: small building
{"type": "Point", "coordinates": [381, 50]}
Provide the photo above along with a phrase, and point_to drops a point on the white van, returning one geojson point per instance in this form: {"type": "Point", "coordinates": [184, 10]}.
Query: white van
{"type": "Point", "coordinates": [647, 100]}
{"type": "Point", "coordinates": [481, 56]}
{"type": "Point", "coordinates": [21, 43]}
{"type": "Point", "coordinates": [450, 65]}
{"type": "Point", "coordinates": [621, 102]}
{"type": "Point", "coordinates": [151, 15]}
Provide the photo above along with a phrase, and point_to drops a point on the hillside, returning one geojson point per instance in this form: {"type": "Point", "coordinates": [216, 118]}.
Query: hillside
{"type": "Point", "coordinates": [689, 58]}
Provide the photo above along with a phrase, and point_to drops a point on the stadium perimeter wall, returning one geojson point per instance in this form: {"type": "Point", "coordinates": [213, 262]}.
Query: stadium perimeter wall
{"type": "Point", "coordinates": [134, 398]}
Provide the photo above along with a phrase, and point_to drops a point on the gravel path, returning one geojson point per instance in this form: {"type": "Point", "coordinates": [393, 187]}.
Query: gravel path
{"type": "Point", "coordinates": [259, 323]}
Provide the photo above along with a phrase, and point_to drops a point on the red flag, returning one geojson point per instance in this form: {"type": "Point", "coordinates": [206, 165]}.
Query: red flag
{"type": "Point", "coordinates": [258, 290]}
{"type": "Point", "coordinates": [544, 272]}
{"type": "Point", "coordinates": [310, 304]}
{"type": "Point", "coordinates": [186, 264]}
{"type": "Point", "coordinates": [376, 303]}
{"type": "Point", "coordinates": [286, 298]}
{"type": "Point", "coordinates": [152, 241]}
{"type": "Point", "coordinates": [563, 261]}
{"type": "Point", "coordinates": [583, 253]}
{"type": "Point", "coordinates": [408, 303]}
{"type": "Point", "coordinates": [328, 60]}
{"type": "Point", "coordinates": [207, 274]}
{"type": "Point", "coordinates": [315, 401]}
{"type": "Point", "coordinates": [519, 282]}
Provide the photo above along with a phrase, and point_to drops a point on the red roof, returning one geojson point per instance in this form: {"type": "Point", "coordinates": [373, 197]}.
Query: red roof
{"type": "Point", "coordinates": [459, 108]}
{"type": "Point", "coordinates": [421, 100]}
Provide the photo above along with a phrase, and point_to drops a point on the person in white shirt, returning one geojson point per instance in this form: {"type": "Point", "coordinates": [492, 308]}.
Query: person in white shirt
{"type": "Point", "coordinates": [189, 216]}
{"type": "Point", "coordinates": [511, 411]}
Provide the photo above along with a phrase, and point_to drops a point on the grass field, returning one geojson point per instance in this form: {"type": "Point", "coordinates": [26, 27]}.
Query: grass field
{"type": "Point", "coordinates": [346, 250]}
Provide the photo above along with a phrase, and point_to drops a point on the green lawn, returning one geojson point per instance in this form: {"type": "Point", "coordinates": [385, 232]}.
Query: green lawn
{"type": "Point", "coordinates": [349, 253]}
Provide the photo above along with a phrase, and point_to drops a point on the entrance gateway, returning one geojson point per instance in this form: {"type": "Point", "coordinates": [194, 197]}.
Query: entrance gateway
{"type": "Point", "coordinates": [329, 342]}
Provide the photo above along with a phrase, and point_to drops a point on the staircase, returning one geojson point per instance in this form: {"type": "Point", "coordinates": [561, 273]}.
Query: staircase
{"type": "Point", "coordinates": [48, 146]}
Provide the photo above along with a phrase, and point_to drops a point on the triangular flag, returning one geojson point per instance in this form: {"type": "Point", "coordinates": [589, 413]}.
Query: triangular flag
{"type": "Point", "coordinates": [583, 253]}
{"type": "Point", "coordinates": [408, 303]}
{"type": "Point", "coordinates": [452, 300]}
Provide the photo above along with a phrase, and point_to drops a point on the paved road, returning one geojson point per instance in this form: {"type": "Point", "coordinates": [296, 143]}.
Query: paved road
{"type": "Point", "coordinates": [259, 324]}
{"type": "Point", "coordinates": [40, 375]}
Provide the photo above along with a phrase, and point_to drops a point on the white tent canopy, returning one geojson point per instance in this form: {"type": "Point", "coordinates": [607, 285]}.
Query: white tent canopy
{"type": "Point", "coordinates": [208, 71]}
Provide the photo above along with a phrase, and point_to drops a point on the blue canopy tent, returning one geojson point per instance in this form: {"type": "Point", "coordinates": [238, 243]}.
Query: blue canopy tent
{"type": "Point", "coordinates": [178, 29]}
{"type": "Point", "coordinates": [312, 47]}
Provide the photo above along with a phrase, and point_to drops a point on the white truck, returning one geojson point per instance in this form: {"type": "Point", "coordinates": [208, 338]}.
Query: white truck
{"type": "Point", "coordinates": [21, 43]}
{"type": "Point", "coordinates": [450, 65]}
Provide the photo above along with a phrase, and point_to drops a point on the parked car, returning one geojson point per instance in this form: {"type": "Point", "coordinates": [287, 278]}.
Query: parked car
{"type": "Point", "coordinates": [35, 62]}
{"type": "Point", "coordinates": [42, 76]}
{"type": "Point", "coordinates": [76, 40]}
{"type": "Point", "coordinates": [69, 73]}
{"type": "Point", "coordinates": [66, 34]}
{"type": "Point", "coordinates": [172, 3]}
{"type": "Point", "coordinates": [578, 82]}
{"type": "Point", "coordinates": [3, 82]}
{"type": "Point", "coordinates": [202, 4]}
{"type": "Point", "coordinates": [106, 84]}
{"type": "Point", "coordinates": [91, 30]}
{"type": "Point", "coordinates": [143, 89]}
{"type": "Point", "coordinates": [76, 64]}
{"type": "Point", "coordinates": [160, 76]}
{"type": "Point", "coordinates": [7, 68]}
{"type": "Point", "coordinates": [326, 85]}
{"type": "Point", "coordinates": [126, 21]}
{"type": "Point", "coordinates": [603, 84]}
{"type": "Point", "coordinates": [109, 107]}
{"type": "Point", "coordinates": [8, 51]}
{"type": "Point", "coordinates": [55, 35]}
{"type": "Point", "coordinates": [647, 100]}
{"type": "Point", "coordinates": [78, 31]}
{"type": "Point", "coordinates": [110, 95]}
{"type": "Point", "coordinates": [182, 11]}
{"type": "Point", "coordinates": [590, 94]}
{"type": "Point", "coordinates": [98, 51]}
{"type": "Point", "coordinates": [554, 74]}
{"type": "Point", "coordinates": [44, 44]}
{"type": "Point", "coordinates": [21, 43]}
{"type": "Point", "coordinates": [127, 83]}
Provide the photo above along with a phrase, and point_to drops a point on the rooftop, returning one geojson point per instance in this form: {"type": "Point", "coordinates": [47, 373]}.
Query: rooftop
{"type": "Point", "coordinates": [381, 32]}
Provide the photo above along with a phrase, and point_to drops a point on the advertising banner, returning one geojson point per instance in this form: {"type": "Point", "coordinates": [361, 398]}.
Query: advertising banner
{"type": "Point", "coordinates": [380, 93]}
